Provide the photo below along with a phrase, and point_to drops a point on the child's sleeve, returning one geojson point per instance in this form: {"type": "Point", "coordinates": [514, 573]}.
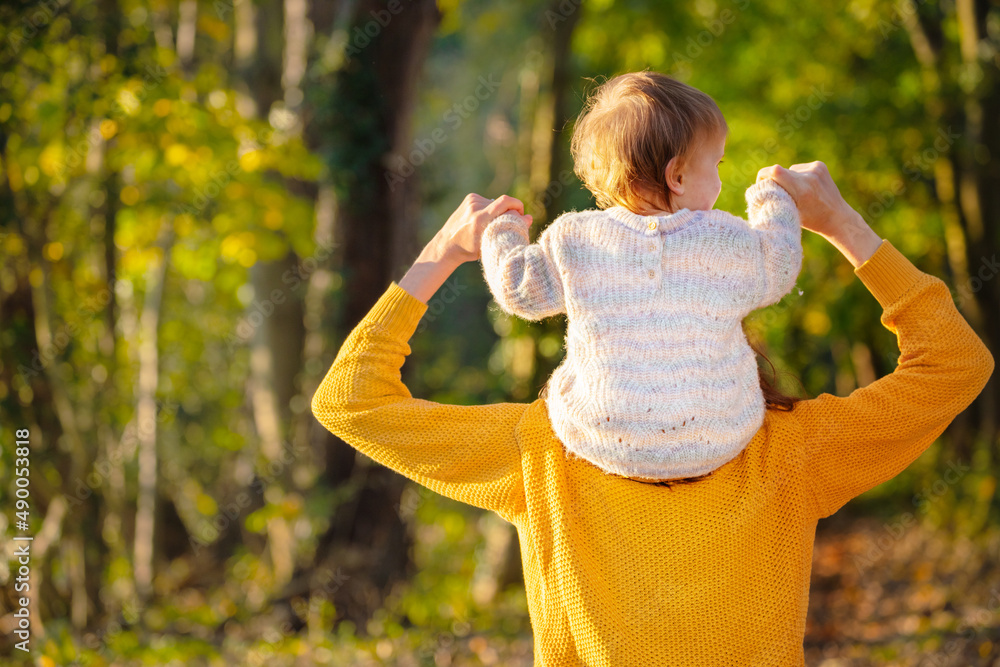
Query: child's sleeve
{"type": "Point", "coordinates": [854, 443]}
{"type": "Point", "coordinates": [774, 221]}
{"type": "Point", "coordinates": [523, 277]}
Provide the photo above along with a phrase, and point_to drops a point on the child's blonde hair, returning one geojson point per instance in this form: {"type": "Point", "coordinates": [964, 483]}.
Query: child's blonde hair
{"type": "Point", "coordinates": [630, 128]}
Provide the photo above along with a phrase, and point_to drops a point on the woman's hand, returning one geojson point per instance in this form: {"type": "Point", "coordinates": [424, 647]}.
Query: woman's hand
{"type": "Point", "coordinates": [823, 210]}
{"type": "Point", "coordinates": [821, 207]}
{"type": "Point", "coordinates": [458, 241]}
{"type": "Point", "coordinates": [461, 236]}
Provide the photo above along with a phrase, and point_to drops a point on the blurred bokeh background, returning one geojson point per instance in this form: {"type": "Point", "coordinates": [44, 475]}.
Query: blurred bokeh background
{"type": "Point", "coordinates": [200, 198]}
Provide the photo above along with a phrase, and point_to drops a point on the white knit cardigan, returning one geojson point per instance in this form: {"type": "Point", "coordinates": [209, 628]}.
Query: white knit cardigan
{"type": "Point", "coordinates": [659, 381]}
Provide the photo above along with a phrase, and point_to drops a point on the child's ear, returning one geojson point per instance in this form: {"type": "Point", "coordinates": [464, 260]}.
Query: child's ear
{"type": "Point", "coordinates": [673, 176]}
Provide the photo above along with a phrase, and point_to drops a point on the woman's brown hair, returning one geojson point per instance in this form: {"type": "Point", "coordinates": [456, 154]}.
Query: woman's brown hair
{"type": "Point", "coordinates": [774, 397]}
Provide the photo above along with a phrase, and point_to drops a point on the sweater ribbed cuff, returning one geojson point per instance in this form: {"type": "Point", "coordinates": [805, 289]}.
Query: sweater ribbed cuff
{"type": "Point", "coordinates": [508, 222]}
{"type": "Point", "coordinates": [397, 311]}
{"type": "Point", "coordinates": [888, 274]}
{"type": "Point", "coordinates": [761, 190]}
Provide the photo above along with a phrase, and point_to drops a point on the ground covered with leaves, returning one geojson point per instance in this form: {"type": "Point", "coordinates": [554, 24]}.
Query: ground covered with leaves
{"type": "Point", "coordinates": [883, 593]}
{"type": "Point", "coordinates": [888, 594]}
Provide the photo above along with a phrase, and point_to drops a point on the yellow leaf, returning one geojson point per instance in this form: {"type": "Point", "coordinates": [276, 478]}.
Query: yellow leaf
{"type": "Point", "coordinates": [13, 245]}
{"type": "Point", "coordinates": [817, 323]}
{"type": "Point", "coordinates": [206, 504]}
{"type": "Point", "coordinates": [291, 505]}
{"type": "Point", "coordinates": [128, 102]}
{"type": "Point", "coordinates": [50, 159]}
{"type": "Point", "coordinates": [218, 30]}
{"type": "Point", "coordinates": [108, 128]}
{"type": "Point", "coordinates": [162, 107]}
{"type": "Point", "coordinates": [53, 251]}
{"type": "Point", "coordinates": [250, 160]}
{"type": "Point", "coordinates": [184, 225]}
{"type": "Point", "coordinates": [230, 247]}
{"type": "Point", "coordinates": [986, 487]}
{"type": "Point", "coordinates": [14, 176]}
{"type": "Point", "coordinates": [273, 218]}
{"type": "Point", "coordinates": [246, 257]}
{"type": "Point", "coordinates": [129, 195]}
{"type": "Point", "coordinates": [177, 154]}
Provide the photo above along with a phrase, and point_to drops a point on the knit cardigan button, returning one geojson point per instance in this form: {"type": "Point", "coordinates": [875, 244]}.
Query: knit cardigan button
{"type": "Point", "coordinates": [652, 225]}
{"type": "Point", "coordinates": [652, 273]}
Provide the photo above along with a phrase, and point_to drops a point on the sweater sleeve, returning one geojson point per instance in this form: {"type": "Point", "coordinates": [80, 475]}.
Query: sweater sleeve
{"type": "Point", "coordinates": [774, 221]}
{"type": "Point", "coordinates": [522, 277]}
{"type": "Point", "coordinates": [855, 443]}
{"type": "Point", "coordinates": [468, 453]}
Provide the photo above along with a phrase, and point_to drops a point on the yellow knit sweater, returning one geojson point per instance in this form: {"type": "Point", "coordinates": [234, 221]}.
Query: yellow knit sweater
{"type": "Point", "coordinates": [620, 572]}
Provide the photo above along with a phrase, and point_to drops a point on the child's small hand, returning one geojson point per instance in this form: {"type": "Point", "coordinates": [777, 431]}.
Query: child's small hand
{"type": "Point", "coordinates": [526, 219]}
{"type": "Point", "coordinates": [461, 236]}
{"type": "Point", "coordinates": [514, 207]}
{"type": "Point", "coordinates": [820, 204]}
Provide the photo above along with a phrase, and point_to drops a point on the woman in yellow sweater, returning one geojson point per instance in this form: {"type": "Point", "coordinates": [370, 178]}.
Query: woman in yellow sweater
{"type": "Point", "coordinates": [621, 572]}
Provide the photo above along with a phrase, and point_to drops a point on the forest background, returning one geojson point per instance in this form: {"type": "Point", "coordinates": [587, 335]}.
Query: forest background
{"type": "Point", "coordinates": [200, 198]}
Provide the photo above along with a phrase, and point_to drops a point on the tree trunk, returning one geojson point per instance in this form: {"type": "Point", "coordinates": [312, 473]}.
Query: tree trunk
{"type": "Point", "coordinates": [967, 184]}
{"type": "Point", "coordinates": [367, 127]}
{"type": "Point", "coordinates": [275, 357]}
{"type": "Point", "coordinates": [146, 418]}
{"type": "Point", "coordinates": [547, 177]}
{"type": "Point", "coordinates": [967, 181]}
{"type": "Point", "coordinates": [112, 447]}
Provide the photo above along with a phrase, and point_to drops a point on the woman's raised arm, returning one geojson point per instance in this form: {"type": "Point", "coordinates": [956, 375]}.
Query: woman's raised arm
{"type": "Point", "coordinates": [854, 443]}
{"type": "Point", "coordinates": [468, 453]}
{"type": "Point", "coordinates": [458, 241]}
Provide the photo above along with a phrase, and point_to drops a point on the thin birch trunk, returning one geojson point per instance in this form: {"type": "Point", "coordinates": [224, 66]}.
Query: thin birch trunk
{"type": "Point", "coordinates": [149, 323]}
